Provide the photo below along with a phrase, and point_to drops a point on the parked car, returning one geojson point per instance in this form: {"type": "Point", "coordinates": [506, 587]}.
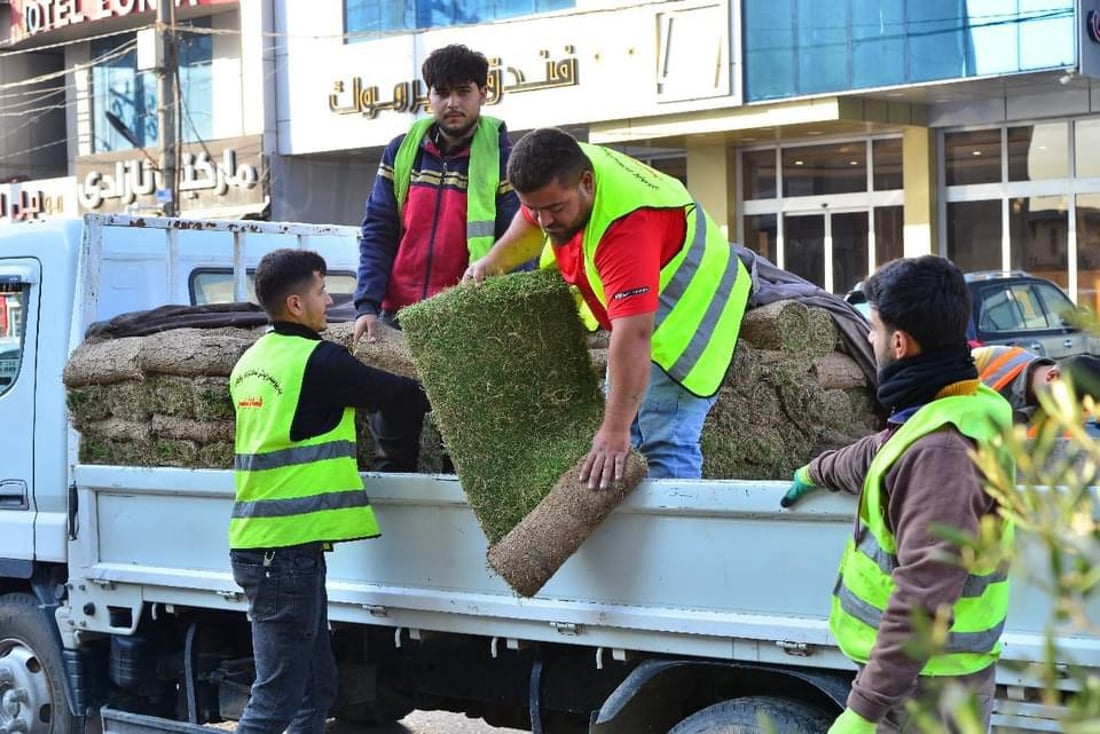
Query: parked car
{"type": "Point", "coordinates": [1019, 309]}
{"type": "Point", "coordinates": [1015, 308]}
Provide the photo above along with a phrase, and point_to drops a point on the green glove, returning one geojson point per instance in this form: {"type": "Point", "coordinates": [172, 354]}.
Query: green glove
{"type": "Point", "coordinates": [801, 485]}
{"type": "Point", "coordinates": [850, 722]}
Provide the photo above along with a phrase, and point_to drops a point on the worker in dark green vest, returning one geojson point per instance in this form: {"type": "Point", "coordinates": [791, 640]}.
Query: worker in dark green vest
{"type": "Point", "coordinates": [654, 269]}
{"type": "Point", "coordinates": [912, 479]}
{"type": "Point", "coordinates": [439, 201]}
{"type": "Point", "coordinates": [298, 489]}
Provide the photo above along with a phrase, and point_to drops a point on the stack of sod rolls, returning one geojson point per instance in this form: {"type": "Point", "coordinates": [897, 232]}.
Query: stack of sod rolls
{"type": "Point", "coordinates": [507, 371]}
{"type": "Point", "coordinates": [163, 399]}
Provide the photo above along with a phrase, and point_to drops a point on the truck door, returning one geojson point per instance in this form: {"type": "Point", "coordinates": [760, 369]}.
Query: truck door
{"type": "Point", "coordinates": [19, 280]}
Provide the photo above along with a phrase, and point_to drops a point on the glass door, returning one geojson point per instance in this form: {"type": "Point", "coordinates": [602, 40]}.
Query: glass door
{"type": "Point", "coordinates": [831, 249]}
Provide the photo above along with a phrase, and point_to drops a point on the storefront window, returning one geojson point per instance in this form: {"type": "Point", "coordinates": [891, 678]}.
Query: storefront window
{"type": "Point", "coordinates": [974, 234]}
{"type": "Point", "coordinates": [365, 19]}
{"type": "Point", "coordinates": [886, 155]}
{"type": "Point", "coordinates": [1038, 152]}
{"type": "Point", "coordinates": [124, 100]}
{"type": "Point", "coordinates": [819, 170]}
{"type": "Point", "coordinates": [889, 233]}
{"type": "Point", "coordinates": [973, 157]}
{"type": "Point", "coordinates": [758, 174]}
{"type": "Point", "coordinates": [1086, 146]}
{"type": "Point", "coordinates": [1039, 236]}
{"type": "Point", "coordinates": [1088, 251]}
{"type": "Point", "coordinates": [761, 235]}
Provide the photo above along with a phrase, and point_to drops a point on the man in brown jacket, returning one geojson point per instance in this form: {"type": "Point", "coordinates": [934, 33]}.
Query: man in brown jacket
{"type": "Point", "coordinates": [913, 476]}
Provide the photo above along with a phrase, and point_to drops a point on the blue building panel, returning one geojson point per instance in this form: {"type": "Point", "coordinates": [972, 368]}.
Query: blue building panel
{"type": "Point", "coordinates": [795, 48]}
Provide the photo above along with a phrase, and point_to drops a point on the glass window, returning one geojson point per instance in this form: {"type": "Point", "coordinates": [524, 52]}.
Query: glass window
{"type": "Point", "coordinates": [973, 157]}
{"type": "Point", "coordinates": [889, 233]}
{"type": "Point", "coordinates": [1088, 251]}
{"type": "Point", "coordinates": [974, 235]}
{"type": "Point", "coordinates": [215, 285]}
{"type": "Point", "coordinates": [758, 174]}
{"type": "Point", "coordinates": [366, 19]}
{"type": "Point", "coordinates": [13, 299]}
{"type": "Point", "coordinates": [762, 235]}
{"type": "Point", "coordinates": [1039, 236]}
{"type": "Point", "coordinates": [124, 100]}
{"type": "Point", "coordinates": [769, 49]}
{"type": "Point", "coordinates": [1038, 152]}
{"type": "Point", "coordinates": [1026, 306]}
{"type": "Point", "coordinates": [886, 167]}
{"type": "Point", "coordinates": [818, 170]}
{"type": "Point", "coordinates": [822, 47]}
{"type": "Point", "coordinates": [878, 43]}
{"type": "Point", "coordinates": [675, 166]}
{"type": "Point", "coordinates": [1086, 145]}
{"type": "Point", "coordinates": [849, 231]}
{"type": "Point", "coordinates": [804, 247]}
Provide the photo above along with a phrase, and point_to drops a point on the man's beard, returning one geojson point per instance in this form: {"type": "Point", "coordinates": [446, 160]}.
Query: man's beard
{"type": "Point", "coordinates": [458, 130]}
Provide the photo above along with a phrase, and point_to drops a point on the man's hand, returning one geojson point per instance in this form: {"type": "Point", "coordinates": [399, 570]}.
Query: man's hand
{"type": "Point", "coordinates": [801, 485]}
{"type": "Point", "coordinates": [850, 722]}
{"type": "Point", "coordinates": [366, 324]}
{"type": "Point", "coordinates": [606, 460]}
{"type": "Point", "coordinates": [479, 270]}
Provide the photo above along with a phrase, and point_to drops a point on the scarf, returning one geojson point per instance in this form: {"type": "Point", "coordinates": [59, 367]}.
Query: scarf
{"type": "Point", "coordinates": [916, 380]}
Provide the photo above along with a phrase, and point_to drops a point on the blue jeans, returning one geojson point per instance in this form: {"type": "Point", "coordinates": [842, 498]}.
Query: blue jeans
{"type": "Point", "coordinates": [668, 426]}
{"type": "Point", "coordinates": [296, 676]}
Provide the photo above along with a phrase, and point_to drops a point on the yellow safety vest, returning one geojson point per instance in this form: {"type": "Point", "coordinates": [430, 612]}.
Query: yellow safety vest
{"type": "Point", "coordinates": [865, 584]}
{"type": "Point", "coordinates": [290, 492]}
{"type": "Point", "coordinates": [483, 179]}
{"type": "Point", "coordinates": [703, 290]}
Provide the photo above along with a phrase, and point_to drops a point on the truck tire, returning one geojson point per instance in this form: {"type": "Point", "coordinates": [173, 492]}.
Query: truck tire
{"type": "Point", "coordinates": [741, 716]}
{"type": "Point", "coordinates": [32, 688]}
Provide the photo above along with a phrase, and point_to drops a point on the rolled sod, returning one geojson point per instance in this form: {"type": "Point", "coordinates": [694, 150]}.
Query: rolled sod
{"type": "Point", "coordinates": [506, 368]}
{"type": "Point", "coordinates": [532, 552]}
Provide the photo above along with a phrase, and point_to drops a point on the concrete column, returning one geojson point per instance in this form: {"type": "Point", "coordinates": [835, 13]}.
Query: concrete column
{"type": "Point", "coordinates": [712, 180]}
{"type": "Point", "coordinates": [919, 159]}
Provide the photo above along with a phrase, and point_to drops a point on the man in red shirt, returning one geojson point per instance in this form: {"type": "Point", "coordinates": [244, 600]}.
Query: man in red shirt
{"type": "Point", "coordinates": [654, 269]}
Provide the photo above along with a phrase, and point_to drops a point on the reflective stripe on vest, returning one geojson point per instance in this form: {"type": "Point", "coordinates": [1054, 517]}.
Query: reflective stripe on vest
{"type": "Point", "coordinates": [483, 179]}
{"type": "Point", "coordinates": [865, 582]}
{"type": "Point", "coordinates": [703, 290]}
{"type": "Point", "coordinates": [999, 366]}
{"type": "Point", "coordinates": [290, 492]}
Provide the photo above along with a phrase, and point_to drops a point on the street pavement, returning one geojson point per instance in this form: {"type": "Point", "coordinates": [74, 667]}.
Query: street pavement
{"type": "Point", "coordinates": [425, 722]}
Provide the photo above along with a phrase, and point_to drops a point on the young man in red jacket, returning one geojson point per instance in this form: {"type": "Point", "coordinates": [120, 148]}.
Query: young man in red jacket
{"type": "Point", "coordinates": [439, 201]}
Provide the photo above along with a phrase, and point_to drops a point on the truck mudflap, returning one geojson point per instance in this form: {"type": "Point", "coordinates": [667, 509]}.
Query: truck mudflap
{"type": "Point", "coordinates": [124, 722]}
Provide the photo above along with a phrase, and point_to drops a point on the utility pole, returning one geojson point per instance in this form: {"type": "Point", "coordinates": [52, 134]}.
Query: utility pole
{"type": "Point", "coordinates": [166, 111]}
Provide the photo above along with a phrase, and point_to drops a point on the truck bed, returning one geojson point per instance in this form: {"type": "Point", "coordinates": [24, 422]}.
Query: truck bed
{"type": "Point", "coordinates": [700, 568]}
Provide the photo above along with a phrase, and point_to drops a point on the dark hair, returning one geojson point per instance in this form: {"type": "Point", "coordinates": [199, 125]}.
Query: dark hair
{"type": "Point", "coordinates": [283, 272]}
{"type": "Point", "coordinates": [453, 65]}
{"type": "Point", "coordinates": [926, 297]}
{"type": "Point", "coordinates": [544, 156]}
{"type": "Point", "coordinates": [1084, 372]}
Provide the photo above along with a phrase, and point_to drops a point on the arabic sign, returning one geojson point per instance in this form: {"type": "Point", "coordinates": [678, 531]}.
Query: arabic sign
{"type": "Point", "coordinates": [32, 17]}
{"type": "Point", "coordinates": [223, 173]}
{"type": "Point", "coordinates": [354, 97]}
{"type": "Point", "coordinates": [30, 200]}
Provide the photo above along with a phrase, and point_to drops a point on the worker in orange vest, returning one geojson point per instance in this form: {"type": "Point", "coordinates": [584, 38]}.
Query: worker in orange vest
{"type": "Point", "coordinates": [1020, 376]}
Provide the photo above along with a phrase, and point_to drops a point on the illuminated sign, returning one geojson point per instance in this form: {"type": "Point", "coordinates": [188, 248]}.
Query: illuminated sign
{"type": "Point", "coordinates": [33, 17]}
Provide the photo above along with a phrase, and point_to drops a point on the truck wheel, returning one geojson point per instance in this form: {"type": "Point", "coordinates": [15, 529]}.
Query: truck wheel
{"type": "Point", "coordinates": [32, 693]}
{"type": "Point", "coordinates": [743, 716]}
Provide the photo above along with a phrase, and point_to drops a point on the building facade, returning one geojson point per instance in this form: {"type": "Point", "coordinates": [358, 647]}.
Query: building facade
{"type": "Point", "coordinates": [830, 136]}
{"type": "Point", "coordinates": [79, 96]}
